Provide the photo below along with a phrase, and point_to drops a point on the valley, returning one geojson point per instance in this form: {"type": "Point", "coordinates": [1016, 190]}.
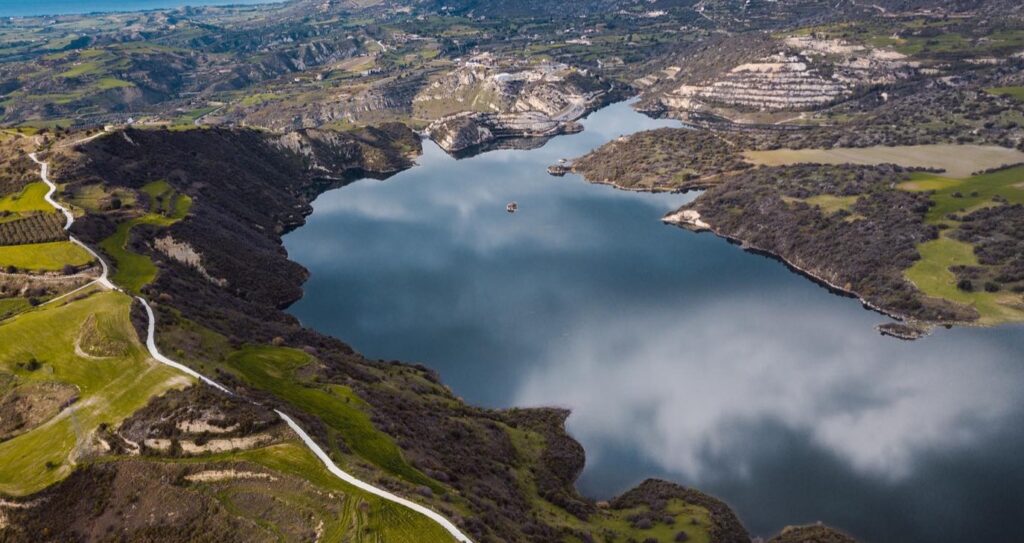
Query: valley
{"type": "Point", "coordinates": [296, 271]}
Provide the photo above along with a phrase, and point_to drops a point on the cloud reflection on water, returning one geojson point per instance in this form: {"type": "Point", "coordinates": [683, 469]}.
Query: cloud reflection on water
{"type": "Point", "coordinates": [679, 354]}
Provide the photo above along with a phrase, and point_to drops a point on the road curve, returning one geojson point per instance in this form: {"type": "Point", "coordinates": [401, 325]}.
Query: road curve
{"type": "Point", "coordinates": [333, 468]}
{"type": "Point", "coordinates": [44, 174]}
{"type": "Point", "coordinates": [159, 357]}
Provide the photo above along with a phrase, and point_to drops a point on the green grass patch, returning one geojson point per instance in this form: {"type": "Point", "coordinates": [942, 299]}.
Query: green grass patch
{"type": "Point", "coordinates": [191, 117]}
{"type": "Point", "coordinates": [29, 199]}
{"type": "Point", "coordinates": [97, 197]}
{"type": "Point", "coordinates": [82, 69]}
{"type": "Point", "coordinates": [12, 306]}
{"type": "Point", "coordinates": [107, 83]}
{"type": "Point", "coordinates": [134, 271]}
{"type": "Point", "coordinates": [827, 203]}
{"type": "Point", "coordinates": [257, 99]}
{"type": "Point", "coordinates": [274, 369]}
{"type": "Point", "coordinates": [1013, 92]}
{"type": "Point", "coordinates": [932, 276]}
{"type": "Point", "coordinates": [43, 256]}
{"type": "Point", "coordinates": [166, 201]}
{"type": "Point", "coordinates": [958, 195]}
{"type": "Point", "coordinates": [363, 516]}
{"type": "Point", "coordinates": [689, 518]}
{"type": "Point", "coordinates": [110, 389]}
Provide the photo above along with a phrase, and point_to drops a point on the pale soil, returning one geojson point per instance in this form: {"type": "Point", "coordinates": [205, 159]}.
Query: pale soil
{"type": "Point", "coordinates": [957, 160]}
{"type": "Point", "coordinates": [213, 476]}
{"type": "Point", "coordinates": [201, 426]}
{"type": "Point", "coordinates": [32, 405]}
{"type": "Point", "coordinates": [212, 445]}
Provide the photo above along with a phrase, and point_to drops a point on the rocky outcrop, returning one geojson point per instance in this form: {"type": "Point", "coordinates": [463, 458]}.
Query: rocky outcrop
{"type": "Point", "coordinates": [801, 73]}
{"type": "Point", "coordinates": [485, 100]}
{"type": "Point", "coordinates": [464, 131]}
{"type": "Point", "coordinates": [187, 255]}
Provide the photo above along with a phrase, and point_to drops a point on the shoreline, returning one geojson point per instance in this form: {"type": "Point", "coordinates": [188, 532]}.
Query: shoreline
{"type": "Point", "coordinates": [697, 225]}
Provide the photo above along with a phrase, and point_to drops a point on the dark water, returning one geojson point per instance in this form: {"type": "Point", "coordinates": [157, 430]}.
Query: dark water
{"type": "Point", "coordinates": [680, 355]}
{"type": "Point", "coordinates": [27, 8]}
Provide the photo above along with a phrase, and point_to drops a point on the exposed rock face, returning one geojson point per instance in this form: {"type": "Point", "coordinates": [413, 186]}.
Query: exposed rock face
{"type": "Point", "coordinates": [331, 154]}
{"type": "Point", "coordinates": [388, 97]}
{"type": "Point", "coordinates": [186, 254]}
{"type": "Point", "coordinates": [483, 101]}
{"type": "Point", "coordinates": [803, 73]}
{"type": "Point", "coordinates": [464, 131]}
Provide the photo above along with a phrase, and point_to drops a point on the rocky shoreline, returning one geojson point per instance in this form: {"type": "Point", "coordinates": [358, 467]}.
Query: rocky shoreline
{"type": "Point", "coordinates": [907, 328]}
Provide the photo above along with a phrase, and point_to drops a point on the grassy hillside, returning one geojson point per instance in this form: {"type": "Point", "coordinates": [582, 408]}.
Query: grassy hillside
{"type": "Point", "coordinates": [52, 345]}
{"type": "Point", "coordinates": [132, 270]}
{"type": "Point", "coordinates": [50, 256]}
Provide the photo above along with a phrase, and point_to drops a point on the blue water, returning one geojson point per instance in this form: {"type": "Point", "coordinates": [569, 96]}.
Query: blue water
{"type": "Point", "coordinates": [23, 8]}
{"type": "Point", "coordinates": [680, 355]}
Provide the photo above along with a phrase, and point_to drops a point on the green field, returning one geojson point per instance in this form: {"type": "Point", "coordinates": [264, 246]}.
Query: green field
{"type": "Point", "coordinates": [974, 191]}
{"type": "Point", "coordinates": [12, 306]}
{"type": "Point", "coordinates": [274, 369]}
{"type": "Point", "coordinates": [953, 196]}
{"type": "Point", "coordinates": [43, 256]}
{"type": "Point", "coordinates": [134, 271]}
{"type": "Point", "coordinates": [29, 199]}
{"type": "Point", "coordinates": [110, 389]}
{"type": "Point", "coordinates": [931, 274]}
{"type": "Point", "coordinates": [363, 516]}
{"type": "Point", "coordinates": [827, 203]}
{"type": "Point", "coordinates": [1014, 92]}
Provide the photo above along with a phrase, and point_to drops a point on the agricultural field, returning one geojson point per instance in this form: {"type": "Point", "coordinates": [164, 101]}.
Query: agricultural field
{"type": "Point", "coordinates": [42, 257]}
{"type": "Point", "coordinates": [34, 228]}
{"type": "Point", "coordinates": [29, 199]}
{"type": "Point", "coordinates": [90, 346]}
{"type": "Point", "coordinates": [955, 160]}
{"type": "Point", "coordinates": [969, 193]}
{"type": "Point", "coordinates": [1014, 92]}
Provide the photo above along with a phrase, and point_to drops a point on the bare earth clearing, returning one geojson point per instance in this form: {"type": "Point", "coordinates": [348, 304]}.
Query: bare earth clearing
{"type": "Point", "coordinates": [957, 160]}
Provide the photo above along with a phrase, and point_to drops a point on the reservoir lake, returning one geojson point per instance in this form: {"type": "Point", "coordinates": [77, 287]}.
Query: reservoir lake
{"type": "Point", "coordinates": [680, 355]}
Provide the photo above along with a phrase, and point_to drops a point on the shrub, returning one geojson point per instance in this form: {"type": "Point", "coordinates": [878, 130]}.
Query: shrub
{"type": "Point", "coordinates": [965, 285]}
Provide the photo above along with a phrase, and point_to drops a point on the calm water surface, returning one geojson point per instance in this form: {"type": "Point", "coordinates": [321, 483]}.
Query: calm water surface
{"type": "Point", "coordinates": [680, 355]}
{"type": "Point", "coordinates": [27, 8]}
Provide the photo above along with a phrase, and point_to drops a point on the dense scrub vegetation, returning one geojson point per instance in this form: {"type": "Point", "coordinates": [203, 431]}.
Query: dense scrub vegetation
{"type": "Point", "coordinates": [997, 234]}
{"type": "Point", "coordinates": [860, 247]}
{"type": "Point", "coordinates": [663, 159]}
